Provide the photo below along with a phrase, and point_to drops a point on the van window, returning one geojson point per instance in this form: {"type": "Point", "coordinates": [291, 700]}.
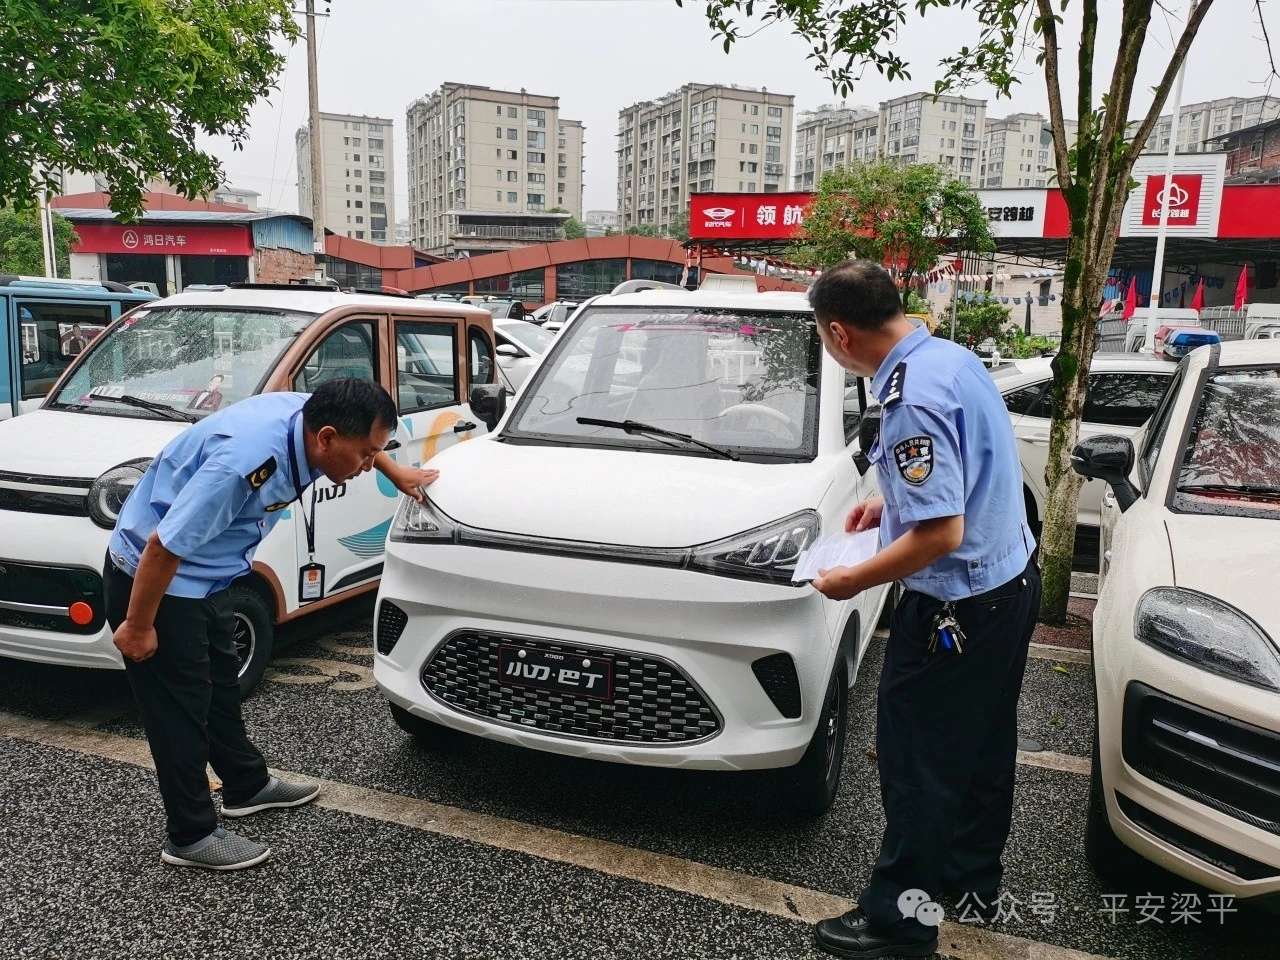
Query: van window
{"type": "Point", "coordinates": [349, 351]}
{"type": "Point", "coordinates": [52, 335]}
{"type": "Point", "coordinates": [480, 357]}
{"type": "Point", "coordinates": [426, 375]}
{"type": "Point", "coordinates": [852, 406]}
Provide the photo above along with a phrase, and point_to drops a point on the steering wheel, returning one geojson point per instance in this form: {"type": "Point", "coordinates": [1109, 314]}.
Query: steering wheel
{"type": "Point", "coordinates": [747, 411]}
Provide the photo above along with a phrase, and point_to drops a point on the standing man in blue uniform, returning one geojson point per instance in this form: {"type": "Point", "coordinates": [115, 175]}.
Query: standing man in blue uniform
{"type": "Point", "coordinates": [187, 532]}
{"type": "Point", "coordinates": [953, 530]}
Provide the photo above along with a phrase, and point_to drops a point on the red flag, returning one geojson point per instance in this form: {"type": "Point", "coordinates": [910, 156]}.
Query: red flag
{"type": "Point", "coordinates": [1131, 298]}
{"type": "Point", "coordinates": [1197, 301]}
{"type": "Point", "coordinates": [1242, 287]}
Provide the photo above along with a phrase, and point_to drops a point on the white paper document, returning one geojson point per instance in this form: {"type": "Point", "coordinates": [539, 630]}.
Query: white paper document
{"type": "Point", "coordinates": [836, 550]}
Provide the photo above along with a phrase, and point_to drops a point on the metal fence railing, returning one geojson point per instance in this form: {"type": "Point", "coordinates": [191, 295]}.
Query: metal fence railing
{"type": "Point", "coordinates": [1227, 322]}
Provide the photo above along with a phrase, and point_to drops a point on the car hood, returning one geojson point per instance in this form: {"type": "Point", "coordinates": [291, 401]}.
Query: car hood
{"type": "Point", "coordinates": [61, 443]}
{"type": "Point", "coordinates": [627, 497]}
{"type": "Point", "coordinates": [1231, 558]}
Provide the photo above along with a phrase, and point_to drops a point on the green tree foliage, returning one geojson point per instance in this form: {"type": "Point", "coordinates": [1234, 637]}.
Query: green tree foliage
{"type": "Point", "coordinates": [124, 88]}
{"type": "Point", "coordinates": [679, 228]}
{"type": "Point", "coordinates": [892, 213]}
{"type": "Point", "coordinates": [573, 229]}
{"type": "Point", "coordinates": [977, 321]}
{"type": "Point", "coordinates": [845, 37]}
{"type": "Point", "coordinates": [642, 230]}
{"type": "Point", "coordinates": [21, 250]}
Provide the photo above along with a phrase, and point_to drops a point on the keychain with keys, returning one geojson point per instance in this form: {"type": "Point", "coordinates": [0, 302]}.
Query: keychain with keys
{"type": "Point", "coordinates": [946, 631]}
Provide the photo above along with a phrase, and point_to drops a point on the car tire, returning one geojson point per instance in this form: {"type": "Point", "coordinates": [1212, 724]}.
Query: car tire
{"type": "Point", "coordinates": [1109, 858]}
{"type": "Point", "coordinates": [433, 736]}
{"type": "Point", "coordinates": [808, 789]}
{"type": "Point", "coordinates": [254, 635]}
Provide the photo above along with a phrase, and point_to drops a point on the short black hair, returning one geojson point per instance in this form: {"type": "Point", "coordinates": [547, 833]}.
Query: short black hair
{"type": "Point", "coordinates": [857, 292]}
{"type": "Point", "coordinates": [351, 406]}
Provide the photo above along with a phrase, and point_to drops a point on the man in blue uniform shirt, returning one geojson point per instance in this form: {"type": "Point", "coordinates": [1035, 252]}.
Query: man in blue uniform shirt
{"type": "Point", "coordinates": [954, 532]}
{"type": "Point", "coordinates": [187, 532]}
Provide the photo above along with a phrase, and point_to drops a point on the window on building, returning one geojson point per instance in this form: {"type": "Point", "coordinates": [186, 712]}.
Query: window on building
{"type": "Point", "coordinates": [499, 133]}
{"type": "Point", "coordinates": [359, 204]}
{"type": "Point", "coordinates": [537, 139]}
{"type": "Point", "coordinates": [754, 149]}
{"type": "Point", "coordinates": [775, 112]}
{"type": "Point", "coordinates": [537, 178]}
{"type": "Point", "coordinates": [515, 155]}
{"type": "Point", "coordinates": [537, 118]}
{"type": "Point", "coordinates": [577, 281]}
{"type": "Point", "coordinates": [513, 176]}
{"type": "Point", "coordinates": [513, 197]}
{"type": "Point", "coordinates": [512, 113]}
{"type": "Point", "coordinates": [537, 159]}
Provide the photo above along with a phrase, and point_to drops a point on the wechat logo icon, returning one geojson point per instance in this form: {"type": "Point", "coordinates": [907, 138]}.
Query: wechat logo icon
{"type": "Point", "coordinates": [916, 904]}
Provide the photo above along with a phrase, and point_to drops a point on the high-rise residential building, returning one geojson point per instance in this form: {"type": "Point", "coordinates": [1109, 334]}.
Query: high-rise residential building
{"type": "Point", "coordinates": [1017, 151]}
{"type": "Point", "coordinates": [832, 137]}
{"type": "Point", "coordinates": [700, 138]}
{"type": "Point", "coordinates": [1199, 123]}
{"type": "Point", "coordinates": [600, 222]}
{"type": "Point", "coordinates": [357, 175]}
{"type": "Point", "coordinates": [946, 131]}
{"type": "Point", "coordinates": [486, 166]}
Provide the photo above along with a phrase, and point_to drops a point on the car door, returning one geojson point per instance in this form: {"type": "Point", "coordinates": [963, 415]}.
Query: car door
{"type": "Point", "coordinates": [1028, 410]}
{"type": "Point", "coordinates": [430, 387]}
{"type": "Point", "coordinates": [351, 519]}
{"type": "Point", "coordinates": [857, 486]}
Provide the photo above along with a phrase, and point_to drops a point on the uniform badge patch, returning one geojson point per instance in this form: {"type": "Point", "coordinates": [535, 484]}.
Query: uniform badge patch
{"type": "Point", "coordinates": [262, 474]}
{"type": "Point", "coordinates": [278, 506]}
{"type": "Point", "coordinates": [914, 457]}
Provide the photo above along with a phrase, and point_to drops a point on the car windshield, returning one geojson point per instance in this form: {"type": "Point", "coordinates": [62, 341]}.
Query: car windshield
{"type": "Point", "coordinates": [743, 381]}
{"type": "Point", "coordinates": [195, 359]}
{"type": "Point", "coordinates": [530, 336]}
{"type": "Point", "coordinates": [1232, 460]}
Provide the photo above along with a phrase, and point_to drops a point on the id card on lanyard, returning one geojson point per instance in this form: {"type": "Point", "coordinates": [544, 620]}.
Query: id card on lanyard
{"type": "Point", "coordinates": [310, 574]}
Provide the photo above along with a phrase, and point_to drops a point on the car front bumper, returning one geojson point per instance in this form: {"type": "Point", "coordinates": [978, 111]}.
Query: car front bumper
{"type": "Point", "coordinates": [707, 630]}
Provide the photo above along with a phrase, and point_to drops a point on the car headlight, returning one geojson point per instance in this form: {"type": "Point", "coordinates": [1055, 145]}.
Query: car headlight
{"type": "Point", "coordinates": [109, 492]}
{"type": "Point", "coordinates": [1209, 634]}
{"type": "Point", "coordinates": [766, 553]}
{"type": "Point", "coordinates": [421, 523]}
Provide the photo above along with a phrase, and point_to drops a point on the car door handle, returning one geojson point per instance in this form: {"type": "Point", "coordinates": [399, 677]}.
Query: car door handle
{"type": "Point", "coordinates": [1039, 439]}
{"type": "Point", "coordinates": [463, 427]}
{"type": "Point", "coordinates": [1108, 499]}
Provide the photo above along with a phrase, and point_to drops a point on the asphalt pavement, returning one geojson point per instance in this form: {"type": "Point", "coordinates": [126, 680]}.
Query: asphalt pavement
{"type": "Point", "coordinates": [490, 851]}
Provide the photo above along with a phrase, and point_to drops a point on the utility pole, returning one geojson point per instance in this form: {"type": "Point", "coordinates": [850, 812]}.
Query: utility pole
{"type": "Point", "coordinates": [313, 140]}
{"type": "Point", "coordinates": [46, 236]}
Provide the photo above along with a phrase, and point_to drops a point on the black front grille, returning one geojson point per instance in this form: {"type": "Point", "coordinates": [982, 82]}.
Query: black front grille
{"type": "Point", "coordinates": [39, 585]}
{"type": "Point", "coordinates": [1237, 864]}
{"type": "Point", "coordinates": [777, 674]}
{"type": "Point", "coordinates": [391, 622]}
{"type": "Point", "coordinates": [37, 501]}
{"type": "Point", "coordinates": [653, 701]}
{"type": "Point", "coordinates": [1223, 763]}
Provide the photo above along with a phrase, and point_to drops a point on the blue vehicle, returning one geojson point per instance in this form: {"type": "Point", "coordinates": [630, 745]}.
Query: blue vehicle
{"type": "Point", "coordinates": [44, 325]}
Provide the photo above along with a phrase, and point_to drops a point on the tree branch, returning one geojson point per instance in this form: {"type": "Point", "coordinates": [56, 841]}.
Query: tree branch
{"type": "Point", "coordinates": [1170, 73]}
{"type": "Point", "coordinates": [1049, 31]}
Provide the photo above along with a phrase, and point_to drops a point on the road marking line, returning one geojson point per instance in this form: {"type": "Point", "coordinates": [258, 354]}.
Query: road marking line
{"type": "Point", "coordinates": [1050, 651]}
{"type": "Point", "coordinates": [1054, 761]}
{"type": "Point", "coordinates": [758, 894]}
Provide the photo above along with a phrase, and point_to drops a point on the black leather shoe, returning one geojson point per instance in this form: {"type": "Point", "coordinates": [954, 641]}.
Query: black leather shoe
{"type": "Point", "coordinates": [852, 936]}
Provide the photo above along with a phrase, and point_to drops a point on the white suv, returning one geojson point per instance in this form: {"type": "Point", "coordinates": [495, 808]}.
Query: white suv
{"type": "Point", "coordinates": [1123, 392]}
{"type": "Point", "coordinates": [1186, 757]}
{"type": "Point", "coordinates": [674, 452]}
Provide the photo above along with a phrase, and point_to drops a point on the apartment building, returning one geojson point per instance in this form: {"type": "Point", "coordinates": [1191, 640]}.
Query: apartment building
{"type": "Point", "coordinates": [946, 131]}
{"type": "Point", "coordinates": [487, 166]}
{"type": "Point", "coordinates": [700, 138]}
{"type": "Point", "coordinates": [1200, 123]}
{"type": "Point", "coordinates": [832, 137]}
{"type": "Point", "coordinates": [357, 175]}
{"type": "Point", "coordinates": [1017, 151]}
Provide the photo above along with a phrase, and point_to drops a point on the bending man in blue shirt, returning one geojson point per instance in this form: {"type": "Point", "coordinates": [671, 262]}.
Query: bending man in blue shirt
{"type": "Point", "coordinates": [953, 530]}
{"type": "Point", "coordinates": [187, 532]}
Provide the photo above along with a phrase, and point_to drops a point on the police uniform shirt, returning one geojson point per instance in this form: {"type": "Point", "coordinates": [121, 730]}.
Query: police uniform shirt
{"type": "Point", "coordinates": [947, 449]}
{"type": "Point", "coordinates": [215, 491]}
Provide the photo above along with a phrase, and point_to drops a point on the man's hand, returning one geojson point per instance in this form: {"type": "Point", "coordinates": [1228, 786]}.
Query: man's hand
{"type": "Point", "coordinates": [411, 480]}
{"type": "Point", "coordinates": [136, 642]}
{"type": "Point", "coordinates": [838, 583]}
{"type": "Point", "coordinates": [864, 516]}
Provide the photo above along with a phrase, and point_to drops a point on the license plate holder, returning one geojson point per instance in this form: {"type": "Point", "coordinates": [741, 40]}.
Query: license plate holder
{"type": "Point", "coordinates": [570, 674]}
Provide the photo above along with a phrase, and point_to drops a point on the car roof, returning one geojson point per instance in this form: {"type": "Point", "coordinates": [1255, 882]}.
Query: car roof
{"type": "Point", "coordinates": [1039, 368]}
{"type": "Point", "coordinates": [790, 302]}
{"type": "Point", "coordinates": [1247, 352]}
{"type": "Point", "coordinates": [317, 300]}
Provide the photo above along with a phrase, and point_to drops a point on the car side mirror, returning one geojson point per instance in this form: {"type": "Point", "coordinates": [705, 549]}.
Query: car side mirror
{"type": "Point", "coordinates": [489, 402]}
{"type": "Point", "coordinates": [508, 350]}
{"type": "Point", "coordinates": [868, 435]}
{"type": "Point", "coordinates": [1110, 459]}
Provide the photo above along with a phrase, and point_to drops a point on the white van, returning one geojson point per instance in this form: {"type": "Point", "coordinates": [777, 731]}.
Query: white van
{"type": "Point", "coordinates": [66, 468]}
{"type": "Point", "coordinates": [675, 452]}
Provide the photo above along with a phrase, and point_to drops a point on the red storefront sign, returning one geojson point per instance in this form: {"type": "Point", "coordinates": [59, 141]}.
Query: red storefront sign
{"type": "Point", "coordinates": [1184, 200]}
{"type": "Point", "coordinates": [747, 216]}
{"type": "Point", "coordinates": [223, 240]}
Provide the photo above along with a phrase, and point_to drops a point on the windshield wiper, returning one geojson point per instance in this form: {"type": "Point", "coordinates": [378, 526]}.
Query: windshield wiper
{"type": "Point", "coordinates": [173, 413]}
{"type": "Point", "coordinates": [1254, 490]}
{"type": "Point", "coordinates": [633, 426]}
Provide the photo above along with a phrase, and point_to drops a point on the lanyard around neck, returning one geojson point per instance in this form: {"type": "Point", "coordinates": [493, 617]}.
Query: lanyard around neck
{"type": "Point", "coordinates": [308, 522]}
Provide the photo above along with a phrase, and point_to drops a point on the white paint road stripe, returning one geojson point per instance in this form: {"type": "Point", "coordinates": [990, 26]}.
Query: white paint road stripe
{"type": "Point", "coordinates": [960, 941]}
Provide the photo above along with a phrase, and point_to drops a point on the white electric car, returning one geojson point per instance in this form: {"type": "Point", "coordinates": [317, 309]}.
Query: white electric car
{"type": "Point", "coordinates": [1186, 757]}
{"type": "Point", "coordinates": [521, 345]}
{"type": "Point", "coordinates": [674, 452]}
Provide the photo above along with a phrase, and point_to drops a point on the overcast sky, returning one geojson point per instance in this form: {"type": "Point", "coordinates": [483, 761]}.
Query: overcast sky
{"type": "Point", "coordinates": [597, 56]}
